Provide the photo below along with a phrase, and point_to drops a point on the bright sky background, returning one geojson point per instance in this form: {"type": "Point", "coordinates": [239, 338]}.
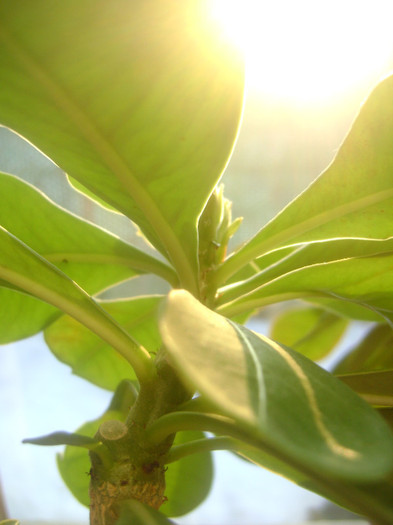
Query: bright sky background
{"type": "Point", "coordinates": [309, 51]}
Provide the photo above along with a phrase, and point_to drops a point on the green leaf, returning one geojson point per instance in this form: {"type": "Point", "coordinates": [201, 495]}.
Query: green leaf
{"type": "Point", "coordinates": [92, 257]}
{"type": "Point", "coordinates": [310, 331]}
{"type": "Point", "coordinates": [138, 102]}
{"type": "Point", "coordinates": [74, 462]}
{"type": "Point", "coordinates": [22, 267]}
{"type": "Point", "coordinates": [387, 414]}
{"type": "Point", "coordinates": [365, 281]}
{"type": "Point", "coordinates": [286, 260]}
{"type": "Point", "coordinates": [22, 315]}
{"type": "Point", "coordinates": [188, 481]}
{"type": "Point", "coordinates": [352, 198]}
{"type": "Point", "coordinates": [135, 512]}
{"type": "Point", "coordinates": [372, 500]}
{"type": "Point", "coordinates": [375, 387]}
{"type": "Point", "coordinates": [62, 438]}
{"type": "Point", "coordinates": [373, 353]}
{"type": "Point", "coordinates": [297, 411]}
{"type": "Point", "coordinates": [93, 358]}
{"type": "Point", "coordinates": [87, 253]}
{"type": "Point", "coordinates": [9, 522]}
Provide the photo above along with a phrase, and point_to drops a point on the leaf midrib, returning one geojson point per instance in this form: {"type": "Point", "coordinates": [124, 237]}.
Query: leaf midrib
{"type": "Point", "coordinates": [110, 157]}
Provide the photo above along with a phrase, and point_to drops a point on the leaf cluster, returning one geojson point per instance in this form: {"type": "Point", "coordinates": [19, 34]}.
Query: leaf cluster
{"type": "Point", "coordinates": [139, 104]}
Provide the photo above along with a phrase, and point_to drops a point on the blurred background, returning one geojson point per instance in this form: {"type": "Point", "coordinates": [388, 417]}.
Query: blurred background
{"type": "Point", "coordinates": [310, 65]}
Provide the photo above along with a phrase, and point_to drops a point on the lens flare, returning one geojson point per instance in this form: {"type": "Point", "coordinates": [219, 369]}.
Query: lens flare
{"type": "Point", "coordinates": [308, 51]}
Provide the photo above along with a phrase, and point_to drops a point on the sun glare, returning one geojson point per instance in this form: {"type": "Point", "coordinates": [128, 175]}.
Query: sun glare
{"type": "Point", "coordinates": [309, 51]}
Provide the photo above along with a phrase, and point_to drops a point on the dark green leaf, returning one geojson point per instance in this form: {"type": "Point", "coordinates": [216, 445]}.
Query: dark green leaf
{"type": "Point", "coordinates": [138, 101]}
{"type": "Point", "coordinates": [375, 352]}
{"type": "Point", "coordinates": [297, 410]}
{"type": "Point", "coordinates": [375, 387]}
{"type": "Point", "coordinates": [94, 359]}
{"type": "Point", "coordinates": [188, 480]}
{"type": "Point", "coordinates": [310, 331]}
{"type": "Point", "coordinates": [62, 438]}
{"type": "Point", "coordinates": [372, 500]}
{"type": "Point", "coordinates": [352, 198]}
{"type": "Point", "coordinates": [387, 414]}
{"type": "Point", "coordinates": [136, 513]}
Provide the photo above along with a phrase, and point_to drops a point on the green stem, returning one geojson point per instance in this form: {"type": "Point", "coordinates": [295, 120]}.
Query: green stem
{"type": "Point", "coordinates": [200, 445]}
{"type": "Point", "coordinates": [179, 421]}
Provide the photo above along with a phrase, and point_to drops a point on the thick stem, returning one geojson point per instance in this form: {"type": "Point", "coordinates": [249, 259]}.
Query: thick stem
{"type": "Point", "coordinates": [135, 468]}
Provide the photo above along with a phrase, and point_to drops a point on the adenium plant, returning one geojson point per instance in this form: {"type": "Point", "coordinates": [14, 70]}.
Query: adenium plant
{"type": "Point", "coordinates": [139, 103]}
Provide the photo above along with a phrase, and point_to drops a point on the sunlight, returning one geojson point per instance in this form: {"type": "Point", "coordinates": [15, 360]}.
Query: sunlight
{"type": "Point", "coordinates": [308, 51]}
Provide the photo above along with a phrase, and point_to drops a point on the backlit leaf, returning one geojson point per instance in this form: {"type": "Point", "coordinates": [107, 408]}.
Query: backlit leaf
{"type": "Point", "coordinates": [364, 281]}
{"type": "Point", "coordinates": [310, 331]}
{"type": "Point", "coordinates": [374, 352]}
{"type": "Point", "coordinates": [23, 268]}
{"type": "Point", "coordinates": [94, 359]}
{"type": "Point", "coordinates": [286, 260]}
{"type": "Point", "coordinates": [91, 256]}
{"type": "Point", "coordinates": [352, 198]}
{"type": "Point", "coordinates": [138, 101]}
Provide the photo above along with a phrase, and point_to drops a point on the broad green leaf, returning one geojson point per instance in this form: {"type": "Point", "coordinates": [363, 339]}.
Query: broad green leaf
{"type": "Point", "coordinates": [135, 512]}
{"type": "Point", "coordinates": [22, 315]}
{"type": "Point", "coordinates": [375, 352]}
{"type": "Point", "coordinates": [9, 522]}
{"type": "Point", "coordinates": [310, 331]}
{"type": "Point", "coordinates": [74, 462]}
{"type": "Point", "coordinates": [138, 101]}
{"type": "Point", "coordinates": [375, 387]}
{"type": "Point", "coordinates": [88, 254]}
{"type": "Point", "coordinates": [93, 358]}
{"type": "Point", "coordinates": [188, 481]}
{"type": "Point", "coordinates": [352, 198]}
{"type": "Point", "coordinates": [23, 268]}
{"type": "Point", "coordinates": [62, 438]}
{"type": "Point", "coordinates": [296, 410]}
{"type": "Point", "coordinates": [365, 281]}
